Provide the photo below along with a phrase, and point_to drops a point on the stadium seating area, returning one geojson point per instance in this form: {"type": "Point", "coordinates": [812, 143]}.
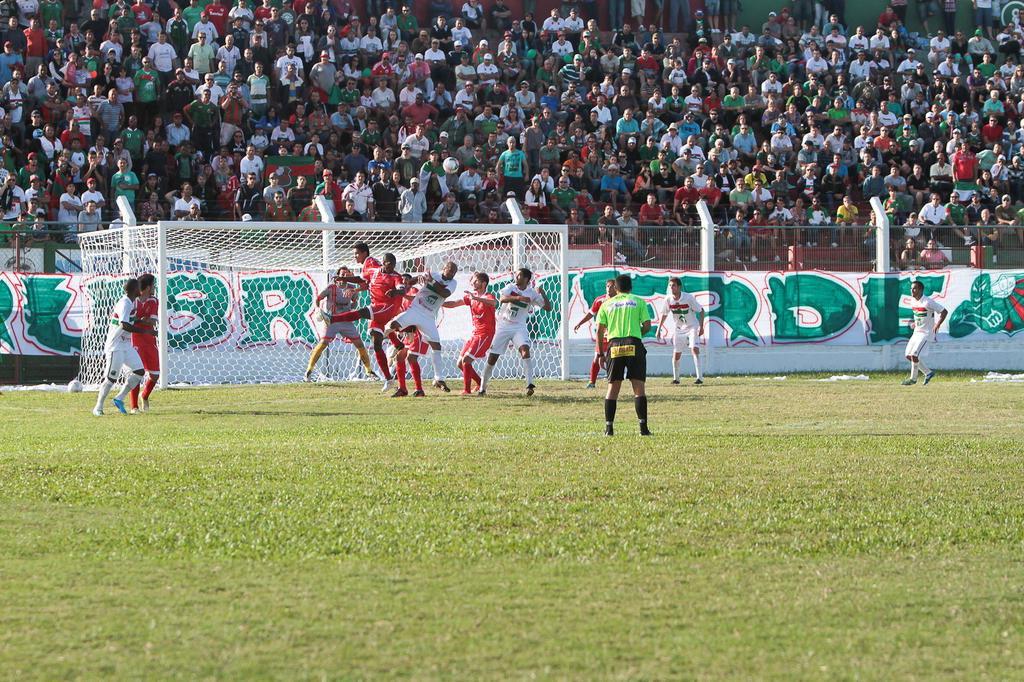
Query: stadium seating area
{"type": "Point", "coordinates": [440, 113]}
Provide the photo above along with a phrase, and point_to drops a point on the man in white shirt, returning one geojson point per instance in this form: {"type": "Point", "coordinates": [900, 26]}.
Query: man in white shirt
{"type": "Point", "coordinates": [687, 316]}
{"type": "Point", "coordinates": [361, 195]}
{"type": "Point", "coordinates": [924, 327]}
{"type": "Point", "coordinates": [163, 54]}
{"type": "Point", "coordinates": [514, 305]}
{"type": "Point", "coordinates": [909, 65]}
{"type": "Point", "coordinates": [421, 315]}
{"type": "Point", "coordinates": [938, 47]}
{"type": "Point", "coordinates": [120, 352]}
{"type": "Point", "coordinates": [859, 41]}
{"type": "Point", "coordinates": [933, 213]}
{"type": "Point", "coordinates": [554, 23]}
{"type": "Point", "coordinates": [205, 26]}
{"type": "Point", "coordinates": [228, 53]}
{"type": "Point", "coordinates": [289, 57]}
{"type": "Point", "coordinates": [487, 71]}
{"type": "Point", "coordinates": [251, 163]}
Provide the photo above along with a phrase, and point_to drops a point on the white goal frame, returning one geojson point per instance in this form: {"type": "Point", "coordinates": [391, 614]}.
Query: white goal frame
{"type": "Point", "coordinates": [555, 255]}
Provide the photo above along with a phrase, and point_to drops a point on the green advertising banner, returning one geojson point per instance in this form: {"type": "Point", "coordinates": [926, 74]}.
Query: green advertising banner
{"type": "Point", "coordinates": [45, 314]}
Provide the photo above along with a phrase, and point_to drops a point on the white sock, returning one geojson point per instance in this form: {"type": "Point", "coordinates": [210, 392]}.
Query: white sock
{"type": "Point", "coordinates": [528, 368]}
{"type": "Point", "coordinates": [675, 368]}
{"type": "Point", "coordinates": [105, 388]}
{"type": "Point", "coordinates": [698, 366]}
{"type": "Point", "coordinates": [488, 368]}
{"type": "Point", "coordinates": [922, 367]}
{"type": "Point", "coordinates": [913, 371]}
{"type": "Point", "coordinates": [133, 381]}
{"type": "Point", "coordinates": [435, 361]}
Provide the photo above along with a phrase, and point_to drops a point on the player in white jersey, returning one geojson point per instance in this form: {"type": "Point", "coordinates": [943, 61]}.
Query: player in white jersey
{"type": "Point", "coordinates": [514, 304]}
{"type": "Point", "coordinates": [421, 315]}
{"type": "Point", "coordinates": [688, 322]}
{"type": "Point", "coordinates": [338, 297]}
{"type": "Point", "coordinates": [120, 351]}
{"type": "Point", "coordinates": [925, 327]}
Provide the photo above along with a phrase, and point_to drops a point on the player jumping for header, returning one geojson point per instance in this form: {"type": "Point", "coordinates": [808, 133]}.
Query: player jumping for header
{"type": "Point", "coordinates": [598, 361]}
{"type": "Point", "coordinates": [688, 320]}
{"type": "Point", "coordinates": [386, 292]}
{"type": "Point", "coordinates": [338, 297]}
{"type": "Point", "coordinates": [925, 329]}
{"type": "Point", "coordinates": [119, 349]}
{"type": "Point", "coordinates": [421, 316]}
{"type": "Point", "coordinates": [515, 302]}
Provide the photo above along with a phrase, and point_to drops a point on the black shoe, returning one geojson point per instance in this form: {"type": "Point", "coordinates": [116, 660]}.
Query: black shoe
{"type": "Point", "coordinates": [675, 382]}
{"type": "Point", "coordinates": [644, 431]}
{"type": "Point", "coordinates": [530, 389]}
{"type": "Point", "coordinates": [442, 385]}
{"type": "Point", "coordinates": [609, 430]}
{"type": "Point", "coordinates": [418, 394]}
{"type": "Point", "coordinates": [698, 382]}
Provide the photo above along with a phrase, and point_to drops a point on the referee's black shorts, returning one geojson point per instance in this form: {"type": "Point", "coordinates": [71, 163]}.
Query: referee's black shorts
{"type": "Point", "coordinates": [626, 363]}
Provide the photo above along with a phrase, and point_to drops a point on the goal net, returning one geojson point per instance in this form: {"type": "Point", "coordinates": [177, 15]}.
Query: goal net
{"type": "Point", "coordinates": [238, 300]}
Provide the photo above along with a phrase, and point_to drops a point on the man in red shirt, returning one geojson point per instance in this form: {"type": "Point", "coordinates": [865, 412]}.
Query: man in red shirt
{"type": "Point", "coordinates": [965, 171]}
{"type": "Point", "coordinates": [218, 16]}
{"type": "Point", "coordinates": [652, 213]}
{"type": "Point", "coordinates": [992, 132]}
{"type": "Point", "coordinates": [35, 46]}
{"type": "Point", "coordinates": [599, 351]}
{"type": "Point", "coordinates": [482, 305]}
{"type": "Point", "coordinates": [146, 315]}
{"type": "Point", "coordinates": [687, 193]}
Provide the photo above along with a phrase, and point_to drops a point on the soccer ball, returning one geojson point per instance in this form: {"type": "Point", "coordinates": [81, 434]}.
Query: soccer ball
{"type": "Point", "coordinates": [75, 386]}
{"type": "Point", "coordinates": [451, 165]}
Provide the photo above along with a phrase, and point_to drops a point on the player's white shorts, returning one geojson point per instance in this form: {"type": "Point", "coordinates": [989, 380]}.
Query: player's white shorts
{"type": "Point", "coordinates": [424, 322]}
{"type": "Point", "coordinates": [685, 338]}
{"type": "Point", "coordinates": [518, 336]}
{"type": "Point", "coordinates": [127, 358]}
{"type": "Point", "coordinates": [918, 344]}
{"type": "Point", "coordinates": [345, 330]}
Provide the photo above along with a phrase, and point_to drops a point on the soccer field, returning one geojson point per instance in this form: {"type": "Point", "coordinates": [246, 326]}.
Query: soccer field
{"type": "Point", "coordinates": [769, 529]}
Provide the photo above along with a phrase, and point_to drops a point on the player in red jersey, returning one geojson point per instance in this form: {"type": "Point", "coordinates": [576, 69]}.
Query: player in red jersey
{"type": "Point", "coordinates": [599, 353]}
{"type": "Point", "coordinates": [482, 306]}
{"type": "Point", "coordinates": [147, 310]}
{"type": "Point", "coordinates": [413, 348]}
{"type": "Point", "coordinates": [386, 295]}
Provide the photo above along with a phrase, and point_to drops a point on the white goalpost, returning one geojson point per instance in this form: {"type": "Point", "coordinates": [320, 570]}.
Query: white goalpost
{"type": "Point", "coordinates": [237, 299]}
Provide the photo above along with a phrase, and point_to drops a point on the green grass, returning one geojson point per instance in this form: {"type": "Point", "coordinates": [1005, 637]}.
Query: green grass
{"type": "Point", "coordinates": [770, 529]}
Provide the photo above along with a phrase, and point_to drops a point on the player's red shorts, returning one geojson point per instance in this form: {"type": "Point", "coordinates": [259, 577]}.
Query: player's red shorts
{"type": "Point", "coordinates": [150, 356]}
{"type": "Point", "coordinates": [477, 346]}
{"type": "Point", "coordinates": [415, 344]}
{"type": "Point", "coordinates": [381, 315]}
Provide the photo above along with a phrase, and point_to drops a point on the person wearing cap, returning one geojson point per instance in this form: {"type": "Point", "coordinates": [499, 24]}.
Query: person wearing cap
{"type": "Point", "coordinates": [412, 203]}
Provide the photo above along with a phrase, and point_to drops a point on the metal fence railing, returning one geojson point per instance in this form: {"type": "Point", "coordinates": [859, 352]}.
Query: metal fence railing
{"type": "Point", "coordinates": [41, 246]}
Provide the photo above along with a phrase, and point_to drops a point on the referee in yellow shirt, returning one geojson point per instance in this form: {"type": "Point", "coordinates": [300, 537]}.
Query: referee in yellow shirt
{"type": "Point", "coordinates": [623, 320]}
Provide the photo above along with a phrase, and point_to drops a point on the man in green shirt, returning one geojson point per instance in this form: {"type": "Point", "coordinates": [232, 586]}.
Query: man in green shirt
{"type": "Point", "coordinates": [513, 168]}
{"type": "Point", "coordinates": [623, 320]}
{"type": "Point", "coordinates": [124, 182]}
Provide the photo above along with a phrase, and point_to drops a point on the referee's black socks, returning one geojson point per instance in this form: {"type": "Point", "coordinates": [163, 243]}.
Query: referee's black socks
{"type": "Point", "coordinates": [640, 403]}
{"type": "Point", "coordinates": [609, 411]}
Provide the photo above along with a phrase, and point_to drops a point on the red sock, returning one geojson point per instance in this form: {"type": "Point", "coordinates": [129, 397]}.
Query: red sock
{"type": "Point", "coordinates": [150, 385]}
{"type": "Point", "coordinates": [400, 372]}
{"type": "Point", "coordinates": [469, 375]}
{"type": "Point", "coordinates": [395, 341]}
{"type": "Point", "coordinates": [382, 363]}
{"type": "Point", "coordinates": [135, 398]}
{"type": "Point", "coordinates": [417, 376]}
{"type": "Point", "coordinates": [595, 369]}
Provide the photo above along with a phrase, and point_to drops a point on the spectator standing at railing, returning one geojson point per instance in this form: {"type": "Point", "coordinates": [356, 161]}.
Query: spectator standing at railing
{"type": "Point", "coordinates": [89, 218]}
{"type": "Point", "coordinates": [67, 213]}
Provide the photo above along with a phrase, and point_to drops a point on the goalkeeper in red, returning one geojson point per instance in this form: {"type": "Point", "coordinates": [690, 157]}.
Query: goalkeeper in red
{"type": "Point", "coordinates": [147, 310]}
{"type": "Point", "coordinates": [386, 294]}
{"type": "Point", "coordinates": [623, 320]}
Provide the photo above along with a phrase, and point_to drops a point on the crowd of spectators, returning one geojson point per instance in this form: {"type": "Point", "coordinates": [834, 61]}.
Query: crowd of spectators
{"type": "Point", "coordinates": [183, 109]}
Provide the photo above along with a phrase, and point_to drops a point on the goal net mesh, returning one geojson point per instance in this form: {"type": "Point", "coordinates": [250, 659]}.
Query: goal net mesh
{"type": "Point", "coordinates": [241, 300]}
